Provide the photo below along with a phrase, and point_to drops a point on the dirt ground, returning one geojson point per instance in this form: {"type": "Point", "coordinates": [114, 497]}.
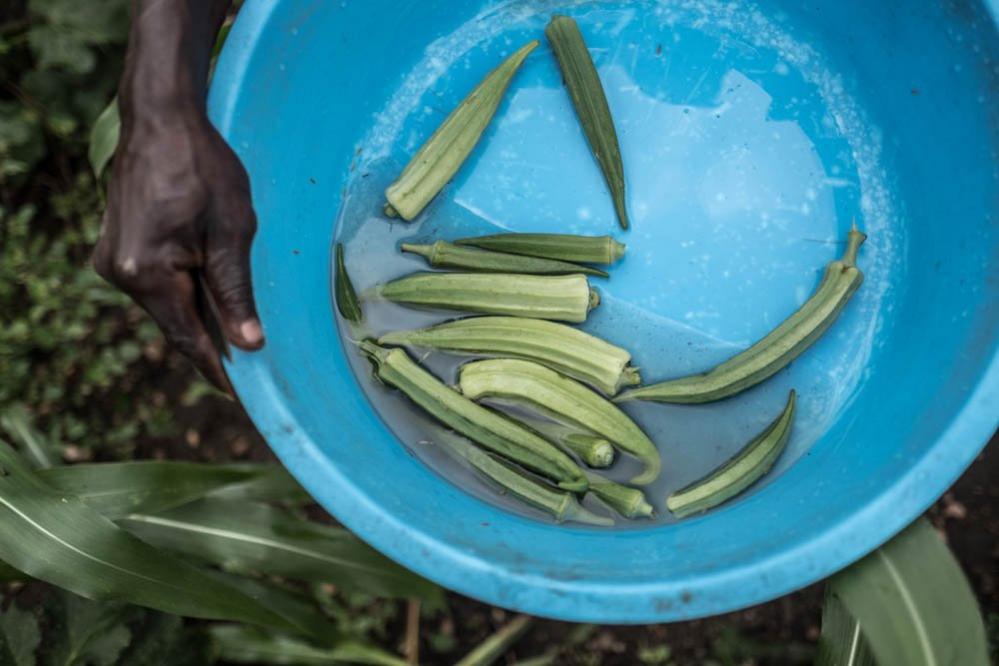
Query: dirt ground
{"type": "Point", "coordinates": [783, 631]}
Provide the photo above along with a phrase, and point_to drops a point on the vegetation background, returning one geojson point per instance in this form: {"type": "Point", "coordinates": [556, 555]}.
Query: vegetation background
{"type": "Point", "coordinates": [91, 373]}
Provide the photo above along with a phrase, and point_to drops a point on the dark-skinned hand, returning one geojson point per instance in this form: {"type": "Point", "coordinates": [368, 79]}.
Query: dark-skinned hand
{"type": "Point", "coordinates": [179, 220]}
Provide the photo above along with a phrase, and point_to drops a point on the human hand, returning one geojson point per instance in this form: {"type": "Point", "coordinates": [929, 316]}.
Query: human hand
{"type": "Point", "coordinates": [177, 231]}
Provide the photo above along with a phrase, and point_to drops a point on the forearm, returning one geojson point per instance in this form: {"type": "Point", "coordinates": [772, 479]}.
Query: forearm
{"type": "Point", "coordinates": [169, 53]}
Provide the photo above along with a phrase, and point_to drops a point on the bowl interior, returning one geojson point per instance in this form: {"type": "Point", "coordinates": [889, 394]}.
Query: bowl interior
{"type": "Point", "coordinates": [752, 134]}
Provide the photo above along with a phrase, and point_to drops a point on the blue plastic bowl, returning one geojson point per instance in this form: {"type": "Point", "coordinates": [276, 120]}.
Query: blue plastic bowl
{"type": "Point", "coordinates": [752, 133]}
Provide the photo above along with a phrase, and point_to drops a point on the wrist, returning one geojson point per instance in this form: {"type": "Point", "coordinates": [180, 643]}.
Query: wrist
{"type": "Point", "coordinates": [166, 71]}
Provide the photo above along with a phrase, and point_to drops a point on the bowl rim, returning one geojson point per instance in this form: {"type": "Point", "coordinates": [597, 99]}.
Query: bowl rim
{"type": "Point", "coordinates": [767, 577]}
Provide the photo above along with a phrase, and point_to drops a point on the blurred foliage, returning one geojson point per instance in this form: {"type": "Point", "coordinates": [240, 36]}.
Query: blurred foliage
{"type": "Point", "coordinates": [71, 347]}
{"type": "Point", "coordinates": [59, 61]}
{"type": "Point", "coordinates": [80, 632]}
{"type": "Point", "coordinates": [67, 339]}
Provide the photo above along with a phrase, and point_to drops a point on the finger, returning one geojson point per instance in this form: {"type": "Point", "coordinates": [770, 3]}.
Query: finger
{"type": "Point", "coordinates": [227, 271]}
{"type": "Point", "coordinates": [173, 305]}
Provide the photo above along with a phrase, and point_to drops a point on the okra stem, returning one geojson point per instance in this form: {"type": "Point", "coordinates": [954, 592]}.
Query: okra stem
{"type": "Point", "coordinates": [752, 462]}
{"type": "Point", "coordinates": [629, 502]}
{"type": "Point", "coordinates": [563, 399]}
{"type": "Point", "coordinates": [776, 350]}
{"type": "Point", "coordinates": [437, 161]}
{"type": "Point", "coordinates": [561, 505]}
{"type": "Point", "coordinates": [493, 431]}
{"type": "Point", "coordinates": [346, 297]}
{"type": "Point", "coordinates": [559, 297]}
{"type": "Point", "coordinates": [590, 102]}
{"type": "Point", "coordinates": [563, 348]}
{"type": "Point", "coordinates": [565, 247]}
{"type": "Point", "coordinates": [442, 254]}
{"type": "Point", "coordinates": [595, 451]}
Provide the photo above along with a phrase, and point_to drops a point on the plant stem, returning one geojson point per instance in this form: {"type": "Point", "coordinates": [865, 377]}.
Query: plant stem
{"type": "Point", "coordinates": [412, 647]}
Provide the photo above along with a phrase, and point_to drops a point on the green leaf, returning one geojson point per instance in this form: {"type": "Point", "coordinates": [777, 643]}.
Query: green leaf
{"type": "Point", "coordinates": [16, 422]}
{"type": "Point", "coordinates": [289, 603]}
{"type": "Point", "coordinates": [842, 643]}
{"type": "Point", "coordinates": [245, 536]}
{"type": "Point", "coordinates": [118, 489]}
{"type": "Point", "coordinates": [272, 483]}
{"type": "Point", "coordinates": [244, 645]}
{"type": "Point", "coordinates": [496, 645]}
{"type": "Point", "coordinates": [19, 637]}
{"type": "Point", "coordinates": [913, 604]}
{"type": "Point", "coordinates": [104, 138]}
{"type": "Point", "coordinates": [163, 639]}
{"type": "Point", "coordinates": [86, 633]}
{"type": "Point", "coordinates": [61, 540]}
{"type": "Point", "coordinates": [64, 33]}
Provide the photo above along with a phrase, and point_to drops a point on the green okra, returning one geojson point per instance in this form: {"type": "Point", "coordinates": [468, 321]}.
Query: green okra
{"type": "Point", "coordinates": [587, 93]}
{"type": "Point", "coordinates": [442, 254]}
{"type": "Point", "coordinates": [561, 398]}
{"type": "Point", "coordinates": [564, 348]}
{"type": "Point", "coordinates": [484, 426]}
{"type": "Point", "coordinates": [752, 462]}
{"type": "Point", "coordinates": [560, 297]}
{"type": "Point", "coordinates": [775, 351]}
{"type": "Point", "coordinates": [439, 159]}
{"type": "Point", "coordinates": [562, 506]}
{"type": "Point", "coordinates": [346, 297]}
{"type": "Point", "coordinates": [595, 451]}
{"type": "Point", "coordinates": [564, 247]}
{"type": "Point", "coordinates": [629, 502]}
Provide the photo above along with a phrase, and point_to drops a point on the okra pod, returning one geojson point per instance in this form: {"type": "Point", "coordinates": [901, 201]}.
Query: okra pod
{"type": "Point", "coordinates": [561, 297]}
{"type": "Point", "coordinates": [562, 506]}
{"type": "Point", "coordinates": [493, 431]}
{"type": "Point", "coordinates": [629, 502]}
{"type": "Point", "coordinates": [565, 247]}
{"type": "Point", "coordinates": [592, 449]}
{"type": "Point", "coordinates": [587, 93]}
{"type": "Point", "coordinates": [564, 348]}
{"type": "Point", "coordinates": [777, 349]}
{"type": "Point", "coordinates": [561, 398]}
{"type": "Point", "coordinates": [346, 297]}
{"type": "Point", "coordinates": [442, 254]}
{"type": "Point", "coordinates": [436, 162]}
{"type": "Point", "coordinates": [751, 463]}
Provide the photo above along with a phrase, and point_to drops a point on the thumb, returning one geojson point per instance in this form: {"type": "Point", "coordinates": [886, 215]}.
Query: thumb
{"type": "Point", "coordinates": [227, 273]}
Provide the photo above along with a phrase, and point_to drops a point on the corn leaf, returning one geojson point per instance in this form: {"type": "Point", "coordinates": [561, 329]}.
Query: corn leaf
{"type": "Point", "coordinates": [63, 541]}
{"type": "Point", "coordinates": [80, 632]}
{"type": "Point", "coordinates": [842, 642]}
{"type": "Point", "coordinates": [104, 138]}
{"type": "Point", "coordinates": [289, 603]}
{"type": "Point", "coordinates": [245, 645]}
{"type": "Point", "coordinates": [270, 483]}
{"type": "Point", "coordinates": [16, 422]}
{"type": "Point", "coordinates": [19, 637]}
{"type": "Point", "coordinates": [252, 537]}
{"type": "Point", "coordinates": [496, 645]}
{"type": "Point", "coordinates": [117, 489]}
{"type": "Point", "coordinates": [913, 605]}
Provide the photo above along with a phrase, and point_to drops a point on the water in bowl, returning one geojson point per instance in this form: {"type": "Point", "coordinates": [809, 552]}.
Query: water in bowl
{"type": "Point", "coordinates": [745, 162]}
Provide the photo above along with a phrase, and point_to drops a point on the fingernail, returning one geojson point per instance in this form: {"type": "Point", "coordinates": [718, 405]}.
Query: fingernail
{"type": "Point", "coordinates": [251, 332]}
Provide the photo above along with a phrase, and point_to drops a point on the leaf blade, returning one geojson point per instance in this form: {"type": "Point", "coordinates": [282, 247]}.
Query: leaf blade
{"type": "Point", "coordinates": [19, 637]}
{"type": "Point", "coordinates": [910, 618]}
{"type": "Point", "coordinates": [61, 540]}
{"type": "Point", "coordinates": [104, 138]}
{"type": "Point", "coordinates": [245, 536]}
{"type": "Point", "coordinates": [243, 645]}
{"type": "Point", "coordinates": [117, 489]}
{"type": "Point", "coordinates": [17, 423]}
